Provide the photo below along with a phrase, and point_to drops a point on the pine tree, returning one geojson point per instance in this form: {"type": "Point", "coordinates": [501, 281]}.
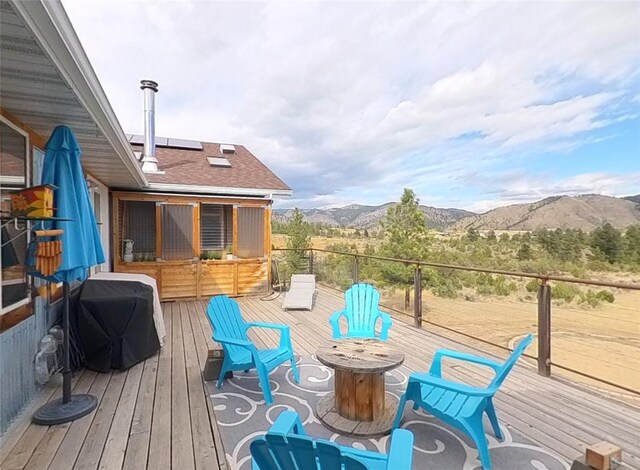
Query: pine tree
{"type": "Point", "coordinates": [524, 252]}
{"type": "Point", "coordinates": [608, 241]}
{"type": "Point", "coordinates": [405, 237]}
{"type": "Point", "coordinates": [299, 240]}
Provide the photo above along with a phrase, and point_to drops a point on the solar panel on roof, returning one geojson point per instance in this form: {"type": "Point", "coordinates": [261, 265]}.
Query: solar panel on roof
{"type": "Point", "coordinates": [166, 142]}
{"type": "Point", "coordinates": [185, 144]}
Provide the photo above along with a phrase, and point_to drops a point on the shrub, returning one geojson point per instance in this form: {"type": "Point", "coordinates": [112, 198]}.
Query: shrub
{"type": "Point", "coordinates": [446, 289]}
{"type": "Point", "coordinates": [590, 298]}
{"type": "Point", "coordinates": [532, 285]}
{"type": "Point", "coordinates": [564, 291]}
{"type": "Point", "coordinates": [605, 296]}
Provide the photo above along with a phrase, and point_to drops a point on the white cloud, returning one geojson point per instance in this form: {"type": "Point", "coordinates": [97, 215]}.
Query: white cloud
{"type": "Point", "coordinates": [348, 100]}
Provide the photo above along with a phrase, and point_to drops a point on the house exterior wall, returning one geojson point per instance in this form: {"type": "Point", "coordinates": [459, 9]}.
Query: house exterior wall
{"type": "Point", "coordinates": [22, 329]}
{"type": "Point", "coordinates": [18, 347]}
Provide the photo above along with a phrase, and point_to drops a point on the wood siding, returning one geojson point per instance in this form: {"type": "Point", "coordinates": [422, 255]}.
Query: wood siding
{"type": "Point", "coordinates": [199, 279]}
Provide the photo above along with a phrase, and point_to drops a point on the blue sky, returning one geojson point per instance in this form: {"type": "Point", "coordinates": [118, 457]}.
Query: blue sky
{"type": "Point", "coordinates": [471, 104]}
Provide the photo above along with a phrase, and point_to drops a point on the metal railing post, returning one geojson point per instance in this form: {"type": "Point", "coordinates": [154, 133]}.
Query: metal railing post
{"type": "Point", "coordinates": [417, 297]}
{"type": "Point", "coordinates": [544, 329]}
{"type": "Point", "coordinates": [356, 274]}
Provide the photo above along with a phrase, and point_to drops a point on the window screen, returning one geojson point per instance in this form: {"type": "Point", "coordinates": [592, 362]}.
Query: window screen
{"type": "Point", "coordinates": [139, 224]}
{"type": "Point", "coordinates": [216, 226]}
{"type": "Point", "coordinates": [250, 232]}
{"type": "Point", "coordinates": [177, 231]}
{"type": "Point", "coordinates": [13, 176]}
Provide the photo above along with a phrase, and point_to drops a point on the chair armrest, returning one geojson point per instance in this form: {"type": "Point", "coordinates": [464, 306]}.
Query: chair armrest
{"type": "Point", "coordinates": [273, 326]}
{"type": "Point", "coordinates": [285, 332]}
{"type": "Point", "coordinates": [452, 386]}
{"type": "Point", "coordinates": [400, 450]}
{"type": "Point", "coordinates": [386, 324]}
{"type": "Point", "coordinates": [287, 422]}
{"type": "Point", "coordinates": [243, 343]}
{"type": "Point", "coordinates": [436, 365]}
{"type": "Point", "coordinates": [334, 320]}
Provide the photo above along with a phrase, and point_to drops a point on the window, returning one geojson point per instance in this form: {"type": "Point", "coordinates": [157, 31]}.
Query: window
{"type": "Point", "coordinates": [216, 227]}
{"type": "Point", "coordinates": [138, 224]}
{"type": "Point", "coordinates": [251, 232]}
{"type": "Point", "coordinates": [177, 231]}
{"type": "Point", "coordinates": [13, 175]}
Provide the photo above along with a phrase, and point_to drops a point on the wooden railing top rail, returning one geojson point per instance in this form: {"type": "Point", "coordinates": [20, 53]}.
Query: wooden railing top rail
{"type": "Point", "coordinates": [542, 277]}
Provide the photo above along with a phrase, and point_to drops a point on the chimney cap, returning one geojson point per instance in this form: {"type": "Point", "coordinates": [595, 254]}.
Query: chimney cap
{"type": "Point", "coordinates": [148, 84]}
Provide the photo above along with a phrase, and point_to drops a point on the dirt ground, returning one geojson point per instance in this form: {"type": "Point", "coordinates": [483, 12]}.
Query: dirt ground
{"type": "Point", "coordinates": [603, 342]}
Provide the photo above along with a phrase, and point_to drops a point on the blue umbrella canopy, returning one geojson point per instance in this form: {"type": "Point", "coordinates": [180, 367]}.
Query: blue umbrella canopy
{"type": "Point", "coordinates": [81, 246]}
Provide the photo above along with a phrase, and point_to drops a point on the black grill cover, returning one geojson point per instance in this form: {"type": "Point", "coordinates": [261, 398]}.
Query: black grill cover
{"type": "Point", "coordinates": [115, 324]}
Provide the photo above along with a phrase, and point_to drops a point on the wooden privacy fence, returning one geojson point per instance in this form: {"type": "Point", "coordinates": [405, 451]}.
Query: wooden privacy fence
{"type": "Point", "coordinates": [544, 310]}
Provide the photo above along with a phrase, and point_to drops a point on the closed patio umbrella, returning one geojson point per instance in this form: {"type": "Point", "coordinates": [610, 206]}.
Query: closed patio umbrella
{"type": "Point", "coordinates": [81, 249]}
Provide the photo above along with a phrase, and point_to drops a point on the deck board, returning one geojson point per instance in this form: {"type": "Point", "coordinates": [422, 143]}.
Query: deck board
{"type": "Point", "coordinates": [155, 415]}
{"type": "Point", "coordinates": [555, 413]}
{"type": "Point", "coordinates": [158, 415]}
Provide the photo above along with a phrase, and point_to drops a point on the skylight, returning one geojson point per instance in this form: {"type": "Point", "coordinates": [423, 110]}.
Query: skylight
{"type": "Point", "coordinates": [219, 162]}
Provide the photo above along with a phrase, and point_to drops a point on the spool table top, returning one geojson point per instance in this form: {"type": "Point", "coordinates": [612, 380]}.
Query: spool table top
{"type": "Point", "coordinates": [364, 355]}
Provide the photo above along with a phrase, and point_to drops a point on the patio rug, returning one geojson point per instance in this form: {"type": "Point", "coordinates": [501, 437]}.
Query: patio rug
{"type": "Point", "coordinates": [242, 415]}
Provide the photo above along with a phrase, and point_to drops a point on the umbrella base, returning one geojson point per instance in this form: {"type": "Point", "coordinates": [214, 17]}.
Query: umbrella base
{"type": "Point", "coordinates": [56, 412]}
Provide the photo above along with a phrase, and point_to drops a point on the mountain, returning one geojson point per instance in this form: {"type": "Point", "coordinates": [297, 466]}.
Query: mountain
{"type": "Point", "coordinates": [368, 217]}
{"type": "Point", "coordinates": [585, 212]}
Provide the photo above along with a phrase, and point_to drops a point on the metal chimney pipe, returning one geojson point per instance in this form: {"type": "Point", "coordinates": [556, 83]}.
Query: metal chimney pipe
{"type": "Point", "coordinates": [149, 160]}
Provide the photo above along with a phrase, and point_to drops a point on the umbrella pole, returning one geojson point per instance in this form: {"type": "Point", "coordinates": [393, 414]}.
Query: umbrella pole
{"type": "Point", "coordinates": [66, 366]}
{"type": "Point", "coordinates": [69, 407]}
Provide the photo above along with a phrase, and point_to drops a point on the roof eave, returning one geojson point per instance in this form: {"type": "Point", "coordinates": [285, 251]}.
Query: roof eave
{"type": "Point", "coordinates": [52, 28]}
{"type": "Point", "coordinates": [196, 189]}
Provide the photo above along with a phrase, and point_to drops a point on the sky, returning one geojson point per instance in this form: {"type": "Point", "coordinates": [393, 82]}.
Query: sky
{"type": "Point", "coordinates": [472, 105]}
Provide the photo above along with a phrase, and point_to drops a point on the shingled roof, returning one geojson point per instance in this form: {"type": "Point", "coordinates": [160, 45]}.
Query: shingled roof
{"type": "Point", "coordinates": [181, 166]}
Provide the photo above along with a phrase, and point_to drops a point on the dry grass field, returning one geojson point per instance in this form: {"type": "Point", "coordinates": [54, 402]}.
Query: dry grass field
{"type": "Point", "coordinates": [603, 342]}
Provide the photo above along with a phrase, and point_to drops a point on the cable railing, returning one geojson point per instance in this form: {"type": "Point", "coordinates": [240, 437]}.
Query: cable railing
{"type": "Point", "coordinates": [538, 311]}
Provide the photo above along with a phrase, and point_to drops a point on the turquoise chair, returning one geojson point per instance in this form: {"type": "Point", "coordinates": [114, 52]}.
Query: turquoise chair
{"type": "Point", "coordinates": [230, 330]}
{"type": "Point", "coordinates": [362, 314]}
{"type": "Point", "coordinates": [459, 405]}
{"type": "Point", "coordinates": [286, 447]}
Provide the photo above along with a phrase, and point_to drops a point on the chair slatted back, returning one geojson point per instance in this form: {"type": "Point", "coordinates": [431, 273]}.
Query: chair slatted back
{"type": "Point", "coordinates": [293, 452]}
{"type": "Point", "coordinates": [510, 362]}
{"type": "Point", "coordinates": [226, 320]}
{"type": "Point", "coordinates": [362, 307]}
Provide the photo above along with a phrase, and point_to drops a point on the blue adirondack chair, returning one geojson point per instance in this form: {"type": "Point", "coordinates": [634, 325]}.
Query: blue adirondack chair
{"type": "Point", "coordinates": [286, 447]}
{"type": "Point", "coordinates": [362, 314]}
{"type": "Point", "coordinates": [459, 405]}
{"type": "Point", "coordinates": [230, 330]}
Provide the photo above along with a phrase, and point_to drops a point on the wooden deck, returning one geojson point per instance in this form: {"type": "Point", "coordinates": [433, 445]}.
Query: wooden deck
{"type": "Point", "coordinates": [157, 414]}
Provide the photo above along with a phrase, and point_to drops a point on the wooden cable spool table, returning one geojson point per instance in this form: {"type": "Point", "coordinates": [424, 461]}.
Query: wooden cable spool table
{"type": "Point", "coordinates": [358, 406]}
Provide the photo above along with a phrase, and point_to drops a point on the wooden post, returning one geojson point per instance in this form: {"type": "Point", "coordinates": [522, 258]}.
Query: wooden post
{"type": "Point", "coordinates": [544, 329]}
{"type": "Point", "coordinates": [310, 261]}
{"type": "Point", "coordinates": [417, 297]}
{"type": "Point", "coordinates": [356, 274]}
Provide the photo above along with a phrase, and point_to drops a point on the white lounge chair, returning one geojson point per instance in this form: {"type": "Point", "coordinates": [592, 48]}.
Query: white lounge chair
{"type": "Point", "coordinates": [300, 294]}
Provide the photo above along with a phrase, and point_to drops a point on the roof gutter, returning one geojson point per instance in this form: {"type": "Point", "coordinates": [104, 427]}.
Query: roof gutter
{"type": "Point", "coordinates": [51, 27]}
{"type": "Point", "coordinates": [221, 190]}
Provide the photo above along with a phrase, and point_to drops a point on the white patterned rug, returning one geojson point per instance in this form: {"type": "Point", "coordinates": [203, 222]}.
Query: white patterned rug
{"type": "Point", "coordinates": [242, 415]}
